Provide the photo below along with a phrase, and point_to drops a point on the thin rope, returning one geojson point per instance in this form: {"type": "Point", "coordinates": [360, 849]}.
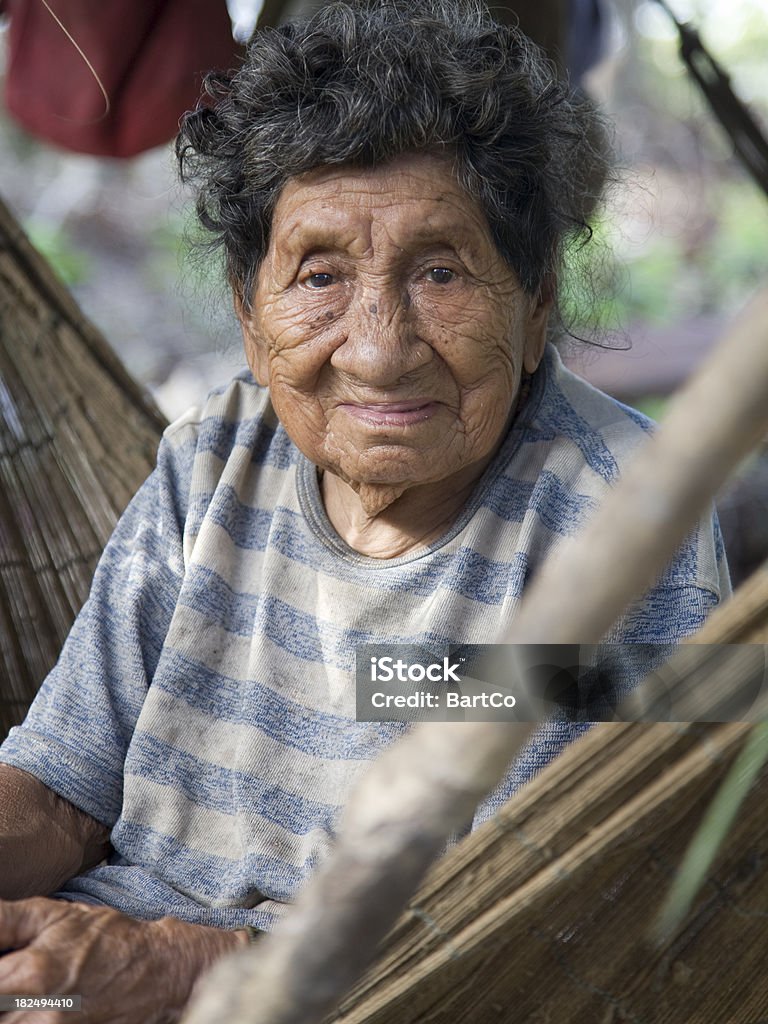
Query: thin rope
{"type": "Point", "coordinates": [70, 37]}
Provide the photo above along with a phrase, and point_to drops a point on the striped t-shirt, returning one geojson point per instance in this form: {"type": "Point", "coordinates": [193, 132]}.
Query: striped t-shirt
{"type": "Point", "coordinates": [204, 705]}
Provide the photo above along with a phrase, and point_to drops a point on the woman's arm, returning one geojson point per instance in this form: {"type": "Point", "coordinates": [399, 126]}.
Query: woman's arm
{"type": "Point", "coordinates": [61, 770]}
{"type": "Point", "coordinates": [146, 970]}
{"type": "Point", "coordinates": [44, 839]}
{"type": "Point", "coordinates": [134, 972]}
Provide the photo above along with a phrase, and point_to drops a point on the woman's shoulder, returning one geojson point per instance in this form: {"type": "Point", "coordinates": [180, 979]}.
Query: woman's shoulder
{"type": "Point", "coordinates": [225, 412]}
{"type": "Point", "coordinates": [236, 420]}
{"type": "Point", "coordinates": [585, 432]}
{"type": "Point", "coordinates": [234, 431]}
{"type": "Point", "coordinates": [578, 442]}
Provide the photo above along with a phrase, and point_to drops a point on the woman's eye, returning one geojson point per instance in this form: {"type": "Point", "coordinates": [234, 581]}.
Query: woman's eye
{"type": "Point", "coordinates": [319, 280]}
{"type": "Point", "coordinates": [440, 275]}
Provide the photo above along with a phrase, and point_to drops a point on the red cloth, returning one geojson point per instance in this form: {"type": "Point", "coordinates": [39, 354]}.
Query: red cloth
{"type": "Point", "coordinates": [149, 54]}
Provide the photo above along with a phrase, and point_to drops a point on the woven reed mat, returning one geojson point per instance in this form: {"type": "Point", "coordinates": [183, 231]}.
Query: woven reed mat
{"type": "Point", "coordinates": [77, 437]}
{"type": "Point", "coordinates": [542, 915]}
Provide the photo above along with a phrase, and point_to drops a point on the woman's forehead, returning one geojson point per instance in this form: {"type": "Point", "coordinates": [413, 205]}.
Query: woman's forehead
{"type": "Point", "coordinates": [416, 197]}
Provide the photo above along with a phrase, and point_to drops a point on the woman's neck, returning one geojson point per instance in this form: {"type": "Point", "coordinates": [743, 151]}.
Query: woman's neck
{"type": "Point", "coordinates": [394, 522]}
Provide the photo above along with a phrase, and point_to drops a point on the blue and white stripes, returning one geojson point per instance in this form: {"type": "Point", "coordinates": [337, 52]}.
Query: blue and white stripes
{"type": "Point", "coordinates": [203, 707]}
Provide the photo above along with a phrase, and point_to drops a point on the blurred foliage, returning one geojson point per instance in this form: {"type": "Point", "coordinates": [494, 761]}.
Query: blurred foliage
{"type": "Point", "coordinates": [179, 257]}
{"type": "Point", "coordinates": [67, 259]}
{"type": "Point", "coordinates": [652, 406]}
{"type": "Point", "coordinates": [613, 282]}
{"type": "Point", "coordinates": [734, 31]}
{"type": "Point", "coordinates": [167, 245]}
{"type": "Point", "coordinates": [737, 255]}
{"type": "Point", "coordinates": [668, 114]}
{"type": "Point", "coordinates": [691, 876]}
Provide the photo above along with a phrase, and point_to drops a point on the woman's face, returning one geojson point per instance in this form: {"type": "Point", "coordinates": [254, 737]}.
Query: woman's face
{"type": "Point", "coordinates": [391, 333]}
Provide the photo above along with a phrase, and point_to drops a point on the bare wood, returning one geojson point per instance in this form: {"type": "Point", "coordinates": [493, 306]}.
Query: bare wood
{"type": "Point", "coordinates": [414, 795]}
{"type": "Point", "coordinates": [528, 836]}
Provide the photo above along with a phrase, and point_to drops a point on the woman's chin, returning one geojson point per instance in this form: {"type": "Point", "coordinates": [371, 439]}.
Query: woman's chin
{"type": "Point", "coordinates": [387, 478]}
{"type": "Point", "coordinates": [377, 498]}
{"type": "Point", "coordinates": [390, 465]}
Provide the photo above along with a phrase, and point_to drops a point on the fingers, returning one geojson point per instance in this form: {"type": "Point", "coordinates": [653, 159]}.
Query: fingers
{"type": "Point", "coordinates": [22, 920]}
{"type": "Point", "coordinates": [22, 974]}
{"type": "Point", "coordinates": [23, 966]}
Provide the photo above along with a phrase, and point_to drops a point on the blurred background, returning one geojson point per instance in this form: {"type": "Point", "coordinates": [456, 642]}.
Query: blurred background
{"type": "Point", "coordinates": [681, 245]}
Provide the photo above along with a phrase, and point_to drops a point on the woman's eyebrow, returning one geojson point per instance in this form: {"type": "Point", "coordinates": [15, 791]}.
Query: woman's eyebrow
{"type": "Point", "coordinates": [336, 232]}
{"type": "Point", "coordinates": [464, 243]}
{"type": "Point", "coordinates": [302, 236]}
{"type": "Point", "coordinates": [306, 240]}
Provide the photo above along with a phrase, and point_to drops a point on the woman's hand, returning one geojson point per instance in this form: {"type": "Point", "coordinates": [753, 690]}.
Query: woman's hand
{"type": "Point", "coordinates": [127, 971]}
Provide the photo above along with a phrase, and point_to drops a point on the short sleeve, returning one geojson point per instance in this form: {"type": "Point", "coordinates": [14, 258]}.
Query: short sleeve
{"type": "Point", "coordinates": [77, 731]}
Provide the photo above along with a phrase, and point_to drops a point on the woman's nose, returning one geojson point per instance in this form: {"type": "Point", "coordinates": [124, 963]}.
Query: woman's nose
{"type": "Point", "coordinates": [382, 343]}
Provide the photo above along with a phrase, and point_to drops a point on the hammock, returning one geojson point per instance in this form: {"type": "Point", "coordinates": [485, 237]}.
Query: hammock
{"type": "Point", "coordinates": [77, 437]}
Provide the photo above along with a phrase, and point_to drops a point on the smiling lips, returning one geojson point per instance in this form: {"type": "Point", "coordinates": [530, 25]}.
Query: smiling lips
{"type": "Point", "coordinates": [391, 414]}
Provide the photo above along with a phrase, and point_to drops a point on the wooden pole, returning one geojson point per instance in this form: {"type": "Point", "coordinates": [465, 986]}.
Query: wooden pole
{"type": "Point", "coordinates": [423, 787]}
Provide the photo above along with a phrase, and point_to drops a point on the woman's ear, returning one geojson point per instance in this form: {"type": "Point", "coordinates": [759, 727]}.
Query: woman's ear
{"type": "Point", "coordinates": [536, 329]}
{"type": "Point", "coordinates": [253, 343]}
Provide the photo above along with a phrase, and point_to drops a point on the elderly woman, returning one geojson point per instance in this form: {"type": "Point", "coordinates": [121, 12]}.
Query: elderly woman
{"type": "Point", "coordinates": [394, 188]}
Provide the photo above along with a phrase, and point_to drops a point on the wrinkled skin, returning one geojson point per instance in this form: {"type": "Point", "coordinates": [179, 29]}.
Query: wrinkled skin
{"type": "Point", "coordinates": [392, 336]}
{"type": "Point", "coordinates": [127, 971]}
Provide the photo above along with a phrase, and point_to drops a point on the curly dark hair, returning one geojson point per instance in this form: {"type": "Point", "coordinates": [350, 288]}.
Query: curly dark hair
{"type": "Point", "coordinates": [362, 83]}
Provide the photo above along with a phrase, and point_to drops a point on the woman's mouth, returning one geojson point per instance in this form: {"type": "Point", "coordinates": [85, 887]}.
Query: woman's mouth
{"type": "Point", "coordinates": [391, 414]}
